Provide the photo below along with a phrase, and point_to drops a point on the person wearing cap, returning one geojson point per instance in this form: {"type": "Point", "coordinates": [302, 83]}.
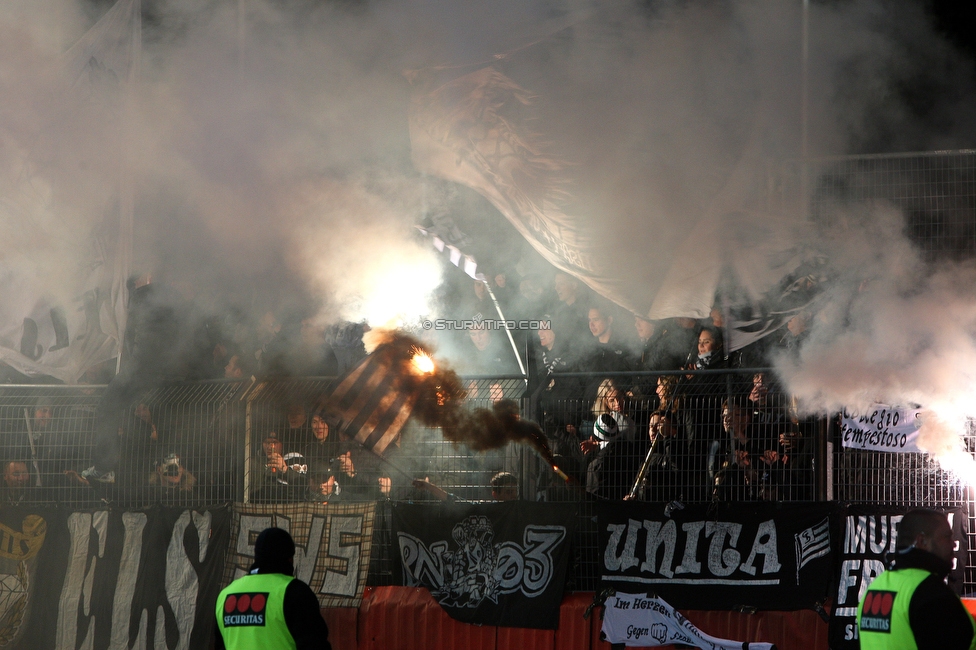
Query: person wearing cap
{"type": "Point", "coordinates": [322, 487]}
{"type": "Point", "coordinates": [269, 607]}
{"type": "Point", "coordinates": [910, 606]}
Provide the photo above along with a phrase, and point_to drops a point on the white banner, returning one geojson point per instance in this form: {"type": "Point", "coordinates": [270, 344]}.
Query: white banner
{"type": "Point", "coordinates": [638, 620]}
{"type": "Point", "coordinates": [66, 211]}
{"type": "Point", "coordinates": [881, 428]}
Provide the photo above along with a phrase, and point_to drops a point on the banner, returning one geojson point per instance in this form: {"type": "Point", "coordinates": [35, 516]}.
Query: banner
{"type": "Point", "coordinates": [488, 563]}
{"type": "Point", "coordinates": [640, 620]}
{"type": "Point", "coordinates": [720, 556]}
{"type": "Point", "coordinates": [869, 533]}
{"type": "Point", "coordinates": [881, 428]}
{"type": "Point", "coordinates": [119, 579]}
{"type": "Point", "coordinates": [66, 211]}
{"type": "Point", "coordinates": [332, 545]}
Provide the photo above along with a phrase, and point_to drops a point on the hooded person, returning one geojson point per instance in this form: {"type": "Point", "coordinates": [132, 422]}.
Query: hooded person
{"type": "Point", "coordinates": [269, 607]}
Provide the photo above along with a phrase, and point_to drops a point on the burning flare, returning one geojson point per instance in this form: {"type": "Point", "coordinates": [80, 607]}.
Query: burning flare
{"type": "Point", "coordinates": [421, 362]}
{"type": "Point", "coordinates": [440, 400]}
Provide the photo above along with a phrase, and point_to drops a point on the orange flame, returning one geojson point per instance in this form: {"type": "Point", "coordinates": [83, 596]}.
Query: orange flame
{"type": "Point", "coordinates": [421, 362]}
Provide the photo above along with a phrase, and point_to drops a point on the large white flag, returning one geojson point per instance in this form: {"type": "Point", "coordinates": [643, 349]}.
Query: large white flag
{"type": "Point", "coordinates": [642, 220]}
{"type": "Point", "coordinates": [66, 219]}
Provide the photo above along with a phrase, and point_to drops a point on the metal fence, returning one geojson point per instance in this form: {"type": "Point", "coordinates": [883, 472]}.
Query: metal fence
{"type": "Point", "coordinates": [936, 190]}
{"type": "Point", "coordinates": [702, 438]}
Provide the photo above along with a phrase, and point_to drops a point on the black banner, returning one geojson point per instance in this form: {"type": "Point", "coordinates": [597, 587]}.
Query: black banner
{"type": "Point", "coordinates": [720, 556]}
{"type": "Point", "coordinates": [146, 578]}
{"type": "Point", "coordinates": [490, 564]}
{"type": "Point", "coordinates": [868, 534]}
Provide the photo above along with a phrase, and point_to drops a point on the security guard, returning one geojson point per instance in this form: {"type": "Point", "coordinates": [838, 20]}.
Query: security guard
{"type": "Point", "coordinates": [269, 608]}
{"type": "Point", "coordinates": [910, 606]}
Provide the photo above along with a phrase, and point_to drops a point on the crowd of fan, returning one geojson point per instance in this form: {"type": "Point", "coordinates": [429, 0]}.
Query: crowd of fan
{"type": "Point", "coordinates": [661, 437]}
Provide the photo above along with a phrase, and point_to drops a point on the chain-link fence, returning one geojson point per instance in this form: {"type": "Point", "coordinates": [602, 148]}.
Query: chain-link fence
{"type": "Point", "coordinates": [693, 437]}
{"type": "Point", "coordinates": [936, 190]}
{"type": "Point", "coordinates": [936, 193]}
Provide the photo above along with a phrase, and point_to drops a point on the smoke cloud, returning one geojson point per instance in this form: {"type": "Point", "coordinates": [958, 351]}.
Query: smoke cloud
{"type": "Point", "coordinates": [270, 157]}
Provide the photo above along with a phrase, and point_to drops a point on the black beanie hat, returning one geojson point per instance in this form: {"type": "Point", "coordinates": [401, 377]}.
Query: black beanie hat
{"type": "Point", "coordinates": [273, 551]}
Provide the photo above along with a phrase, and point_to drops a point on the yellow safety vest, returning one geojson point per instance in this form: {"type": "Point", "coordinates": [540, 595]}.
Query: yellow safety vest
{"type": "Point", "coordinates": [882, 615]}
{"type": "Point", "coordinates": [251, 614]}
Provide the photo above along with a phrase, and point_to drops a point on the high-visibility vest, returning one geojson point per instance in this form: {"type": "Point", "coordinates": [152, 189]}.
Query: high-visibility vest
{"type": "Point", "coordinates": [882, 615]}
{"type": "Point", "coordinates": [251, 614]}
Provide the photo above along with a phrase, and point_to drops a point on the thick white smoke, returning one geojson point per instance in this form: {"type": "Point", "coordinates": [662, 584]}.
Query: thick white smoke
{"type": "Point", "coordinates": [272, 161]}
{"type": "Point", "coordinates": [893, 330]}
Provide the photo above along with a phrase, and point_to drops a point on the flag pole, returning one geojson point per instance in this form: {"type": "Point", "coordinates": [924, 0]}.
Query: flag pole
{"type": "Point", "coordinates": [123, 258]}
{"type": "Point", "coordinates": [481, 278]}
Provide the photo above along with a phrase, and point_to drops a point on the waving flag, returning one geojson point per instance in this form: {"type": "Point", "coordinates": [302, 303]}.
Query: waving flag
{"type": "Point", "coordinates": [375, 399]}
{"type": "Point", "coordinates": [64, 261]}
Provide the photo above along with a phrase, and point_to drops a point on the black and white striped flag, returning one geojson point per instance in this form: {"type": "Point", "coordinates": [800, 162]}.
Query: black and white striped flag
{"type": "Point", "coordinates": [462, 260]}
{"type": "Point", "coordinates": [811, 543]}
{"type": "Point", "coordinates": [375, 400]}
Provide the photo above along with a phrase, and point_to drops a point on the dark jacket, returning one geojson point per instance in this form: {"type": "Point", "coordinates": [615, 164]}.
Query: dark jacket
{"type": "Point", "coordinates": [938, 618]}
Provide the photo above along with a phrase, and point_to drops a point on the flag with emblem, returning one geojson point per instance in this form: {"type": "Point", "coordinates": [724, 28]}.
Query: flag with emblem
{"type": "Point", "coordinates": [811, 543]}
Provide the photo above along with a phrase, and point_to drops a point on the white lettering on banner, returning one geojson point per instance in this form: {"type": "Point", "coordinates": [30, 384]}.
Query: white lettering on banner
{"type": "Point", "coordinates": [723, 562]}
{"type": "Point", "coordinates": [181, 580]}
{"type": "Point", "coordinates": [768, 549]}
{"type": "Point", "coordinates": [870, 569]}
{"type": "Point", "coordinates": [305, 556]}
{"type": "Point", "coordinates": [865, 534]}
{"type": "Point", "coordinates": [722, 558]}
{"type": "Point", "coordinates": [251, 526]}
{"type": "Point", "coordinates": [649, 621]}
{"type": "Point", "coordinates": [344, 534]}
{"type": "Point", "coordinates": [75, 602]}
{"type": "Point", "coordinates": [478, 569]}
{"type": "Point", "coordinates": [182, 584]}
{"type": "Point", "coordinates": [848, 578]}
{"type": "Point", "coordinates": [688, 563]}
{"type": "Point", "coordinates": [424, 562]}
{"type": "Point", "coordinates": [134, 524]}
{"type": "Point", "coordinates": [881, 428]}
{"type": "Point", "coordinates": [657, 535]}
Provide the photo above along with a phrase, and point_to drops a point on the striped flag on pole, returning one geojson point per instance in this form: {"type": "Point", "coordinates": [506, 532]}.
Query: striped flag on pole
{"type": "Point", "coordinates": [375, 399]}
{"type": "Point", "coordinates": [811, 543]}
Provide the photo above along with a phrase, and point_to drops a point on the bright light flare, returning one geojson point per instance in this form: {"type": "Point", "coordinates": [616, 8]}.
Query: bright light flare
{"type": "Point", "coordinates": [421, 362]}
{"type": "Point", "coordinates": [940, 436]}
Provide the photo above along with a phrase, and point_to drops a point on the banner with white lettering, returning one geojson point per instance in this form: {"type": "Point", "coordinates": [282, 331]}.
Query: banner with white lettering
{"type": "Point", "coordinates": [488, 563]}
{"type": "Point", "coordinates": [647, 621]}
{"type": "Point", "coordinates": [870, 532]}
{"type": "Point", "coordinates": [332, 545]}
{"type": "Point", "coordinates": [719, 556]}
{"type": "Point", "coordinates": [110, 579]}
{"type": "Point", "coordinates": [881, 428]}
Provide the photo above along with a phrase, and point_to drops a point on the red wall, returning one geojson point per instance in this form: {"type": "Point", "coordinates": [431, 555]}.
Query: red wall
{"type": "Point", "coordinates": [393, 618]}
